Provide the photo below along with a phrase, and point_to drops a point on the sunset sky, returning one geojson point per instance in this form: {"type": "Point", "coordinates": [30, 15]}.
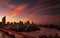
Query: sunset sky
{"type": "Point", "coordinates": [39, 11]}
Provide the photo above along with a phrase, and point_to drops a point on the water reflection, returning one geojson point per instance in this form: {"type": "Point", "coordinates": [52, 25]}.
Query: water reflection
{"type": "Point", "coordinates": [43, 31]}
{"type": "Point", "coordinates": [3, 35]}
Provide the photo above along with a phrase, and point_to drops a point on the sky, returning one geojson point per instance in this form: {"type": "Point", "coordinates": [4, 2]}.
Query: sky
{"type": "Point", "coordinates": [39, 11]}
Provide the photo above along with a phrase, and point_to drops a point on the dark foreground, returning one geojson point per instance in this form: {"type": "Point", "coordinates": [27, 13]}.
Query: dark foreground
{"type": "Point", "coordinates": [43, 33]}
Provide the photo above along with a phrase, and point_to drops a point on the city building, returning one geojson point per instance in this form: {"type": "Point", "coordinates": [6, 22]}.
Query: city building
{"type": "Point", "coordinates": [4, 20]}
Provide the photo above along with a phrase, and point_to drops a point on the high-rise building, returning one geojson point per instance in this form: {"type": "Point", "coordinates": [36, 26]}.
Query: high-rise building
{"type": "Point", "coordinates": [4, 20]}
{"type": "Point", "coordinates": [0, 24]}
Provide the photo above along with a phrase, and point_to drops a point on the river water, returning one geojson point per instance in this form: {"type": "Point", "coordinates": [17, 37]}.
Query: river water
{"type": "Point", "coordinates": [3, 35]}
{"type": "Point", "coordinates": [43, 31]}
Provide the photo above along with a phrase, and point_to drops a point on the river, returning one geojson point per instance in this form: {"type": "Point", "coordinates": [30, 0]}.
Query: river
{"type": "Point", "coordinates": [3, 35]}
{"type": "Point", "coordinates": [43, 31]}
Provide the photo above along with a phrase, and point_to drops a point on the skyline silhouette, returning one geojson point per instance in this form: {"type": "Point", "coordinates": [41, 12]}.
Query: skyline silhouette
{"type": "Point", "coordinates": [23, 21]}
{"type": "Point", "coordinates": [5, 22]}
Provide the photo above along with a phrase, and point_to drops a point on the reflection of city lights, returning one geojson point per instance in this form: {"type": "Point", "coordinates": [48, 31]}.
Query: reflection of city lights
{"type": "Point", "coordinates": [0, 35]}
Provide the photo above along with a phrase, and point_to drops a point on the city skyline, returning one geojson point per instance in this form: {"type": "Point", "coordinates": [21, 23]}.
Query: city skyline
{"type": "Point", "coordinates": [39, 11]}
{"type": "Point", "coordinates": [3, 22]}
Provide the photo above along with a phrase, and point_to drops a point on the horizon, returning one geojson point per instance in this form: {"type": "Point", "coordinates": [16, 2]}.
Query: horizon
{"type": "Point", "coordinates": [16, 21]}
{"type": "Point", "coordinates": [25, 22]}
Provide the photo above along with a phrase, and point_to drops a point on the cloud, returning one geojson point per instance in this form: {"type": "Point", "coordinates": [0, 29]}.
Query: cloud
{"type": "Point", "coordinates": [4, 2]}
{"type": "Point", "coordinates": [19, 2]}
{"type": "Point", "coordinates": [19, 10]}
{"type": "Point", "coordinates": [52, 11]}
{"type": "Point", "coordinates": [44, 19]}
{"type": "Point", "coordinates": [40, 11]}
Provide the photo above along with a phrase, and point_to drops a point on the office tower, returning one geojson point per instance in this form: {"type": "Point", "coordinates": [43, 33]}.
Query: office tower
{"type": "Point", "coordinates": [4, 20]}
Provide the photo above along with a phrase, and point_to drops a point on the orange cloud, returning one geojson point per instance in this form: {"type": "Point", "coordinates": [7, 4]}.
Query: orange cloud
{"type": "Point", "coordinates": [19, 10]}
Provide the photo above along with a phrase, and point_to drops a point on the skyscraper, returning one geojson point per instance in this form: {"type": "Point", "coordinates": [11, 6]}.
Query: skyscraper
{"type": "Point", "coordinates": [4, 20]}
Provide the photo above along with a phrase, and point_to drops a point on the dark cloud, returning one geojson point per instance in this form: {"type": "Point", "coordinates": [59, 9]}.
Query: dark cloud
{"type": "Point", "coordinates": [55, 11]}
{"type": "Point", "coordinates": [19, 2]}
{"type": "Point", "coordinates": [44, 4]}
{"type": "Point", "coordinates": [50, 3]}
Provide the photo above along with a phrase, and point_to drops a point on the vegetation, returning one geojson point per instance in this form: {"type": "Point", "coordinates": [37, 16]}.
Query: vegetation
{"type": "Point", "coordinates": [51, 26]}
{"type": "Point", "coordinates": [27, 29]}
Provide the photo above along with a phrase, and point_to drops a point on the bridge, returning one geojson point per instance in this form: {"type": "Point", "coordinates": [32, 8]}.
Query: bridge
{"type": "Point", "coordinates": [17, 34]}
